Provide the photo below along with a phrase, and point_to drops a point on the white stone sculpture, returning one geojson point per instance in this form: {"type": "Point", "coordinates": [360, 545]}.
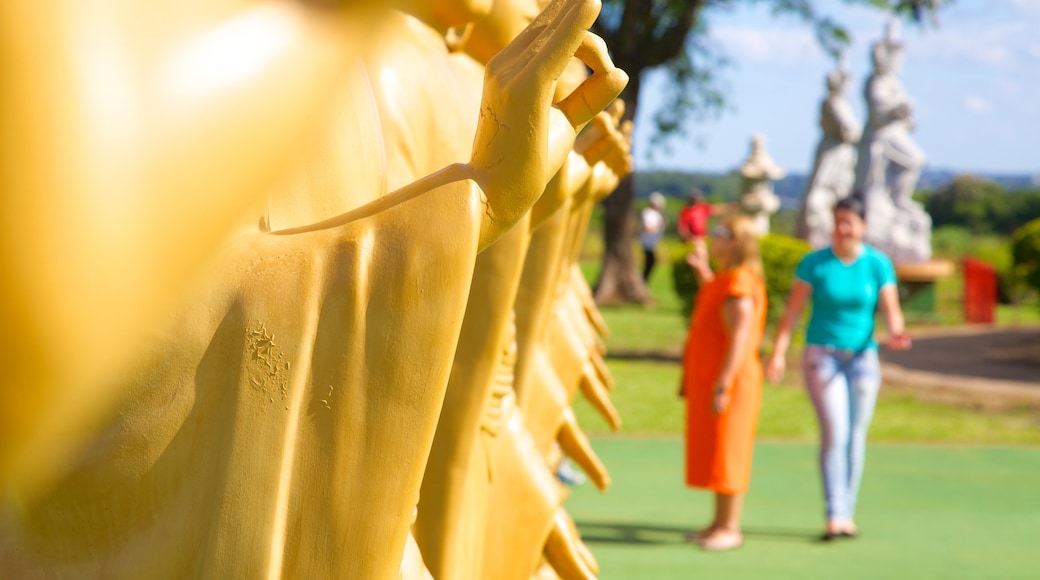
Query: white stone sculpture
{"type": "Point", "coordinates": [835, 162]}
{"type": "Point", "coordinates": [758, 199]}
{"type": "Point", "coordinates": [890, 163]}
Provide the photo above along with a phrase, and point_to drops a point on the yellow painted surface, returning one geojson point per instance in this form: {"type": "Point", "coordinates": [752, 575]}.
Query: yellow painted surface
{"type": "Point", "coordinates": [228, 346]}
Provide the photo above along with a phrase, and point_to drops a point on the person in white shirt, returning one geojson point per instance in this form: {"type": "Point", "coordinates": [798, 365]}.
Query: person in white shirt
{"type": "Point", "coordinates": [653, 223]}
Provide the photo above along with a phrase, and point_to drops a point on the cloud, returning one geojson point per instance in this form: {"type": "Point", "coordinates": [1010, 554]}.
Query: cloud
{"type": "Point", "coordinates": [978, 105]}
{"type": "Point", "coordinates": [769, 46]}
{"type": "Point", "coordinates": [998, 45]}
{"type": "Point", "coordinates": [998, 34]}
{"type": "Point", "coordinates": [1028, 8]}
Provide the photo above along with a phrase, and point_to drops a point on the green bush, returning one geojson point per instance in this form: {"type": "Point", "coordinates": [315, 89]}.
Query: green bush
{"type": "Point", "coordinates": [997, 253]}
{"type": "Point", "coordinates": [684, 280]}
{"type": "Point", "coordinates": [957, 242]}
{"type": "Point", "coordinates": [952, 242]}
{"type": "Point", "coordinates": [1025, 253]}
{"type": "Point", "coordinates": [780, 256]}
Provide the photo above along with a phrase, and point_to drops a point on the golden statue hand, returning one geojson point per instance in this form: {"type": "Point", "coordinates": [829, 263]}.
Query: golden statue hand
{"type": "Point", "coordinates": [522, 139]}
{"type": "Point", "coordinates": [596, 141]}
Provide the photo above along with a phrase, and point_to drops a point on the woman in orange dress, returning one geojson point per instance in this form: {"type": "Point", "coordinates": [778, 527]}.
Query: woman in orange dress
{"type": "Point", "coordinates": [722, 376]}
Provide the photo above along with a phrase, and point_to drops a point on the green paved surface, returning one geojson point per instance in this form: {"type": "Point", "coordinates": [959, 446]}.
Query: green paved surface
{"type": "Point", "coordinates": [925, 512]}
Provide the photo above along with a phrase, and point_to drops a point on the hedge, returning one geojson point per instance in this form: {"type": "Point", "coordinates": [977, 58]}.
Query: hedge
{"type": "Point", "coordinates": [780, 256]}
{"type": "Point", "coordinates": [1025, 252]}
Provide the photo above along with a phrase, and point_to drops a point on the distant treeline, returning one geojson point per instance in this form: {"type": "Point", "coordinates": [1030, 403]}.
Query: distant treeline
{"type": "Point", "coordinates": [981, 205]}
{"type": "Point", "coordinates": [718, 187]}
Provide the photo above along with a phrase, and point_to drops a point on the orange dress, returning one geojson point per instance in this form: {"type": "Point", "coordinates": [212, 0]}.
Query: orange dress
{"type": "Point", "coordinates": [719, 447]}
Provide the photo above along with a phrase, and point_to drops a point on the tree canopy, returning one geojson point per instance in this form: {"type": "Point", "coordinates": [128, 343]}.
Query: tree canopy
{"type": "Point", "coordinates": [671, 35]}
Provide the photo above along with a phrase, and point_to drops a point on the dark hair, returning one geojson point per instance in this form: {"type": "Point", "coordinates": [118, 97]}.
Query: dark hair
{"type": "Point", "coordinates": [695, 196]}
{"type": "Point", "coordinates": [853, 203]}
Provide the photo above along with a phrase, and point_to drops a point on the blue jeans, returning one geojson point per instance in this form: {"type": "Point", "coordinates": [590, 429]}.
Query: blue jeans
{"type": "Point", "coordinates": [843, 386]}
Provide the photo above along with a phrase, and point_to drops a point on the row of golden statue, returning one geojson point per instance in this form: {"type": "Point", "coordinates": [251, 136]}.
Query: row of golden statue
{"type": "Point", "coordinates": [290, 288]}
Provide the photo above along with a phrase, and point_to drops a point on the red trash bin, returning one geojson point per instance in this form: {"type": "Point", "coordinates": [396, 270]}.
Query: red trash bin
{"type": "Point", "coordinates": [980, 291]}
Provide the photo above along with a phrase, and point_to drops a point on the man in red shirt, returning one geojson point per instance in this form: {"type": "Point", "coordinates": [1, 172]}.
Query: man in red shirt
{"type": "Point", "coordinates": [693, 220]}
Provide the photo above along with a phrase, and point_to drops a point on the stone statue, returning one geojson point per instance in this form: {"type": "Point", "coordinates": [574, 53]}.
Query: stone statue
{"type": "Point", "coordinates": [758, 173]}
{"type": "Point", "coordinates": [835, 162]}
{"type": "Point", "coordinates": [279, 421]}
{"type": "Point", "coordinates": [890, 162]}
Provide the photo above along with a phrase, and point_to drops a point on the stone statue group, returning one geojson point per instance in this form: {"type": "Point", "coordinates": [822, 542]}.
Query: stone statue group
{"type": "Point", "coordinates": [881, 162]}
{"type": "Point", "coordinates": [291, 288]}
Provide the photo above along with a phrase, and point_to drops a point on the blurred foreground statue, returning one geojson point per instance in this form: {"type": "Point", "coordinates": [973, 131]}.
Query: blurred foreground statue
{"type": "Point", "coordinates": [834, 165]}
{"type": "Point", "coordinates": [279, 422]}
{"type": "Point", "coordinates": [890, 163]}
{"type": "Point", "coordinates": [559, 331]}
{"type": "Point", "coordinates": [136, 136]}
{"type": "Point", "coordinates": [489, 506]}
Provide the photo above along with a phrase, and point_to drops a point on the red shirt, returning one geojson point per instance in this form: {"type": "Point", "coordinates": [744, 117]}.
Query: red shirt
{"type": "Point", "coordinates": [693, 220]}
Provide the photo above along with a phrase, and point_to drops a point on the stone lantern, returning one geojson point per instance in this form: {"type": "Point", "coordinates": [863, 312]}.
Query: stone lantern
{"type": "Point", "coordinates": [758, 172]}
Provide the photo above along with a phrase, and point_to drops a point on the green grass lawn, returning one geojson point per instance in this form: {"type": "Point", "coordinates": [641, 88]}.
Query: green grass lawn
{"type": "Point", "coordinates": [659, 328]}
{"type": "Point", "coordinates": [924, 512]}
{"type": "Point", "coordinates": [646, 388]}
{"type": "Point", "coordinates": [949, 492]}
{"type": "Point", "coordinates": [645, 395]}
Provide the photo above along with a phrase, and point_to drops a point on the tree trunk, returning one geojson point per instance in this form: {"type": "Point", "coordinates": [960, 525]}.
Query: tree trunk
{"type": "Point", "coordinates": [620, 280]}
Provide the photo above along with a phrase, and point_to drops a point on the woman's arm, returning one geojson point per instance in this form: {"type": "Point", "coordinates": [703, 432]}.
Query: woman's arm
{"type": "Point", "coordinates": [738, 314]}
{"type": "Point", "coordinates": [888, 299]}
{"type": "Point", "coordinates": [701, 267]}
{"type": "Point", "coordinates": [777, 363]}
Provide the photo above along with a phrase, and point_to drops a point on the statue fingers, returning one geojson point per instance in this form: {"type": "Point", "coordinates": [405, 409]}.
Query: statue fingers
{"type": "Point", "coordinates": [563, 551]}
{"type": "Point", "coordinates": [597, 320]}
{"type": "Point", "coordinates": [603, 372]}
{"type": "Point", "coordinates": [619, 161]}
{"type": "Point", "coordinates": [586, 553]}
{"type": "Point", "coordinates": [598, 395]}
{"type": "Point", "coordinates": [601, 141]}
{"type": "Point", "coordinates": [607, 181]}
{"type": "Point", "coordinates": [527, 37]}
{"type": "Point", "coordinates": [562, 39]}
{"type": "Point", "coordinates": [575, 444]}
{"type": "Point", "coordinates": [626, 127]}
{"type": "Point", "coordinates": [598, 90]}
{"type": "Point", "coordinates": [596, 150]}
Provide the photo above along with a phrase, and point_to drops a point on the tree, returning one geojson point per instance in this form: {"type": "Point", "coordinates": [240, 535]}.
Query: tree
{"type": "Point", "coordinates": [967, 201]}
{"type": "Point", "coordinates": [981, 206]}
{"type": "Point", "coordinates": [670, 35]}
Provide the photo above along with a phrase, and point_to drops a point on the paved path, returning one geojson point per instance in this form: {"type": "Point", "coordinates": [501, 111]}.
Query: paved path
{"type": "Point", "coordinates": [979, 360]}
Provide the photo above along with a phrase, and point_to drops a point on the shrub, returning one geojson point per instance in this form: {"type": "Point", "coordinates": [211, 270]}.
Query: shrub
{"type": "Point", "coordinates": [1025, 253]}
{"type": "Point", "coordinates": [780, 256]}
{"type": "Point", "coordinates": [997, 253]}
{"type": "Point", "coordinates": [684, 280]}
{"type": "Point", "coordinates": [952, 242]}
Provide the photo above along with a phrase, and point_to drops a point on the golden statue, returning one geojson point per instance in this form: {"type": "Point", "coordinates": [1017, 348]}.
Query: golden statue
{"type": "Point", "coordinates": [488, 503]}
{"type": "Point", "coordinates": [135, 136]}
{"type": "Point", "coordinates": [548, 322]}
{"type": "Point", "coordinates": [279, 423]}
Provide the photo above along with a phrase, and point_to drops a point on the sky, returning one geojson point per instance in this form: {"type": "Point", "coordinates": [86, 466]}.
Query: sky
{"type": "Point", "coordinates": [974, 78]}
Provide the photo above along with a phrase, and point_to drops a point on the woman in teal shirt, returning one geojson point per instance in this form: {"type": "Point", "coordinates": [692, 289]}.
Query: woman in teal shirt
{"type": "Point", "coordinates": [846, 283]}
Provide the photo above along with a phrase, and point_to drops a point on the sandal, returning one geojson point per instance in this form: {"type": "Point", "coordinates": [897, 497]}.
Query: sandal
{"type": "Point", "coordinates": [843, 534]}
{"type": "Point", "coordinates": [722, 542]}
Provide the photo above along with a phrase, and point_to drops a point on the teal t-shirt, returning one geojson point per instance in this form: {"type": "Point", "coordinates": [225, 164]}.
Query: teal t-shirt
{"type": "Point", "coordinates": [844, 297]}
